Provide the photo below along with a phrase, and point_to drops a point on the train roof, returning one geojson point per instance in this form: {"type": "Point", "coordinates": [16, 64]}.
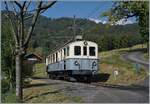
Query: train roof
{"type": "Point", "coordinates": [67, 43]}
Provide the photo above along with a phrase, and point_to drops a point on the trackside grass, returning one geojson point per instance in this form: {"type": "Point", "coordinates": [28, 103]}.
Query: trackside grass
{"type": "Point", "coordinates": [39, 91]}
{"type": "Point", "coordinates": [40, 70]}
{"type": "Point", "coordinates": [112, 61]}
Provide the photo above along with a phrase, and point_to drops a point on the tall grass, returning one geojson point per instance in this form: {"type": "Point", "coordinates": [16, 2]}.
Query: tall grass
{"type": "Point", "coordinates": [112, 61]}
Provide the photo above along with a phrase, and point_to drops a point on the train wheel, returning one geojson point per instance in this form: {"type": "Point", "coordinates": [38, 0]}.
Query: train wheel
{"type": "Point", "coordinates": [50, 76]}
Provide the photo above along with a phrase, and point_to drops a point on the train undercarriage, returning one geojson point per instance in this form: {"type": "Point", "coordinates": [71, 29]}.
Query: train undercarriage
{"type": "Point", "coordinates": [71, 75]}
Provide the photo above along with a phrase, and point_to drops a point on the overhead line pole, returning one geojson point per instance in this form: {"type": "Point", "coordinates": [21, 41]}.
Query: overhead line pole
{"type": "Point", "coordinates": [74, 27]}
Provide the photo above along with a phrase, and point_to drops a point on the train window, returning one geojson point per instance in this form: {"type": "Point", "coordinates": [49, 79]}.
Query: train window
{"type": "Point", "coordinates": [68, 51]}
{"type": "Point", "coordinates": [50, 59]}
{"type": "Point", "coordinates": [56, 56]}
{"type": "Point", "coordinates": [53, 57]}
{"type": "Point", "coordinates": [77, 50]}
{"type": "Point", "coordinates": [64, 52]}
{"type": "Point", "coordinates": [84, 50]}
{"type": "Point", "coordinates": [61, 54]}
{"type": "Point", "coordinates": [92, 51]}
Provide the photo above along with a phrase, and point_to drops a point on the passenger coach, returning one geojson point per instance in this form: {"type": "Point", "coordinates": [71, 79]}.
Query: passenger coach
{"type": "Point", "coordinates": [77, 58]}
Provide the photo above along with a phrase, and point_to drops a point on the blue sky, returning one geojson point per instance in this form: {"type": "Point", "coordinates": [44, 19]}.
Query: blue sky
{"type": "Point", "coordinates": [82, 9]}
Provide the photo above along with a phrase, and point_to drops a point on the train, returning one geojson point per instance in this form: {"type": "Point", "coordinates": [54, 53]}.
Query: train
{"type": "Point", "coordinates": [77, 59]}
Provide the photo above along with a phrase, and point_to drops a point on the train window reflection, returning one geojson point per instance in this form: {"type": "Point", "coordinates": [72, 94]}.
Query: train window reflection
{"type": "Point", "coordinates": [84, 50]}
{"type": "Point", "coordinates": [68, 51]}
{"type": "Point", "coordinates": [56, 56]}
{"type": "Point", "coordinates": [92, 51]}
{"type": "Point", "coordinates": [53, 58]}
{"type": "Point", "coordinates": [64, 52]}
{"type": "Point", "coordinates": [77, 50]}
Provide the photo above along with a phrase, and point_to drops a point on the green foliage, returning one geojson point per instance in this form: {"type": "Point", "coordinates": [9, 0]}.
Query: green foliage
{"type": "Point", "coordinates": [7, 61]}
{"type": "Point", "coordinates": [8, 97]}
{"type": "Point", "coordinates": [50, 36]}
{"type": "Point", "coordinates": [5, 85]}
{"type": "Point", "coordinates": [127, 9]}
{"type": "Point", "coordinates": [51, 33]}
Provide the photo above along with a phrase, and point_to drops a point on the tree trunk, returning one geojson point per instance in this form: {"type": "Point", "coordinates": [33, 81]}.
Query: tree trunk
{"type": "Point", "coordinates": [148, 46]}
{"type": "Point", "coordinates": [18, 78]}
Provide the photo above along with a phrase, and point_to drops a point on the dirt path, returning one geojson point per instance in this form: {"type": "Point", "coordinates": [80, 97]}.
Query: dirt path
{"type": "Point", "coordinates": [137, 57]}
{"type": "Point", "coordinates": [97, 94]}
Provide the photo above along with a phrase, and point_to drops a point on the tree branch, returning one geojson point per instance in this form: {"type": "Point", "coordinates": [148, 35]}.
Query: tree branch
{"type": "Point", "coordinates": [28, 17]}
{"type": "Point", "coordinates": [128, 16]}
{"type": "Point", "coordinates": [48, 5]}
{"type": "Point", "coordinates": [31, 28]}
{"type": "Point", "coordinates": [22, 26]}
{"type": "Point", "coordinates": [18, 4]}
{"type": "Point", "coordinates": [13, 27]}
{"type": "Point", "coordinates": [36, 14]}
{"type": "Point", "coordinates": [14, 9]}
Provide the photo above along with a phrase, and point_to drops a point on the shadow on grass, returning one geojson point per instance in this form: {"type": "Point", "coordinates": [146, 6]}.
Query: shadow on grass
{"type": "Point", "coordinates": [39, 85]}
{"type": "Point", "coordinates": [39, 77]}
{"type": "Point", "coordinates": [101, 77]}
{"type": "Point", "coordinates": [42, 94]}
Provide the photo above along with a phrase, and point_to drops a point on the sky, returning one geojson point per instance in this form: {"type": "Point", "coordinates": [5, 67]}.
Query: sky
{"type": "Point", "coordinates": [83, 9]}
{"type": "Point", "coordinates": [91, 10]}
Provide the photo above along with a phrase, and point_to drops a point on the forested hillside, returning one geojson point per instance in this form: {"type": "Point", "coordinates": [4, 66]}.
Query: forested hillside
{"type": "Point", "coordinates": [50, 33]}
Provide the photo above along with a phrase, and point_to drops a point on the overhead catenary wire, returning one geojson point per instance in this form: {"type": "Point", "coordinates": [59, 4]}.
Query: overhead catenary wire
{"type": "Point", "coordinates": [74, 27]}
{"type": "Point", "coordinates": [91, 14]}
{"type": "Point", "coordinates": [93, 11]}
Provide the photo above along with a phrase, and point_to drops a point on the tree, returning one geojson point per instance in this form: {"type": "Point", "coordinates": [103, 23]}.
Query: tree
{"type": "Point", "coordinates": [18, 13]}
{"type": "Point", "coordinates": [8, 69]}
{"type": "Point", "coordinates": [127, 9]}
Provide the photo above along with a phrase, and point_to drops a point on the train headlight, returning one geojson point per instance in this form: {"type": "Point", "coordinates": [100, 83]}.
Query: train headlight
{"type": "Point", "coordinates": [94, 63]}
{"type": "Point", "coordinates": [76, 63]}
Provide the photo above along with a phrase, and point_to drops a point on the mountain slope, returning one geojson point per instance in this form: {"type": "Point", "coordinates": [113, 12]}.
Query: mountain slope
{"type": "Point", "coordinates": [50, 33]}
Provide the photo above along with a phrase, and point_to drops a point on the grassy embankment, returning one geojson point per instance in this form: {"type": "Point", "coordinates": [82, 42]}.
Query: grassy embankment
{"type": "Point", "coordinates": [127, 74]}
{"type": "Point", "coordinates": [42, 92]}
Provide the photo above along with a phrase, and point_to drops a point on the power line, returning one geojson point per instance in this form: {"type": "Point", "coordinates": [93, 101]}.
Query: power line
{"type": "Point", "coordinates": [93, 11]}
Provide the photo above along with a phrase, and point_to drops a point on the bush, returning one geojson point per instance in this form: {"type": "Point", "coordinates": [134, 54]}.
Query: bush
{"type": "Point", "coordinates": [5, 85]}
{"type": "Point", "coordinates": [8, 97]}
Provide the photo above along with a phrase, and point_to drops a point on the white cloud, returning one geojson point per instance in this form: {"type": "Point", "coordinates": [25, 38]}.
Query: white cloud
{"type": "Point", "coordinates": [98, 20]}
{"type": "Point", "coordinates": [120, 22]}
{"type": "Point", "coordinates": [124, 22]}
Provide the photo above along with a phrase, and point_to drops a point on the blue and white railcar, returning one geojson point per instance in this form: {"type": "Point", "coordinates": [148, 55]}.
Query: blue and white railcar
{"type": "Point", "coordinates": [77, 58]}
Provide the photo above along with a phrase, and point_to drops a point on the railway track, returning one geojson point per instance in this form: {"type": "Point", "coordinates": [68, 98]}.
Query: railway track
{"type": "Point", "coordinates": [121, 87]}
{"type": "Point", "coordinates": [106, 85]}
